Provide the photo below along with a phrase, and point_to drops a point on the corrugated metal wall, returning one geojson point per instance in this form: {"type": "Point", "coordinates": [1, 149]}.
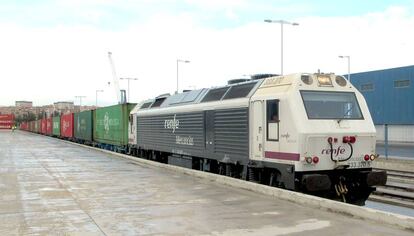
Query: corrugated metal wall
{"type": "Point", "coordinates": [231, 134]}
{"type": "Point", "coordinates": [216, 134]}
{"type": "Point", "coordinates": [388, 104]}
{"type": "Point", "coordinates": [396, 133]}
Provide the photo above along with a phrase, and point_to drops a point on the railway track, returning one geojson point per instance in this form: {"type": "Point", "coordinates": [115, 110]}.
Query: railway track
{"type": "Point", "coordinates": [398, 191]}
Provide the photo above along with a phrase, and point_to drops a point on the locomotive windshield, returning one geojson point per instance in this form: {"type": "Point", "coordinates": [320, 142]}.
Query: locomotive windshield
{"type": "Point", "coordinates": [331, 105]}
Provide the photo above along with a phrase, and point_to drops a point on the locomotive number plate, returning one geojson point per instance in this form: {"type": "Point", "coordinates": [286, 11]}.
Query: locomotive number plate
{"type": "Point", "coordinates": [359, 164]}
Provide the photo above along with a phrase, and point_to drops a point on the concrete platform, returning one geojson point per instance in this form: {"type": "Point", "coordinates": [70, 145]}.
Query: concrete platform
{"type": "Point", "coordinates": [394, 164]}
{"type": "Point", "coordinates": [51, 187]}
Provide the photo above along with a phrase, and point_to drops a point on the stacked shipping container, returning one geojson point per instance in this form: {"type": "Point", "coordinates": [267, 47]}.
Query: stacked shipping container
{"type": "Point", "coordinates": [66, 125]}
{"type": "Point", "coordinates": [49, 126]}
{"type": "Point", "coordinates": [110, 124]}
{"type": "Point", "coordinates": [6, 121]}
{"type": "Point", "coordinates": [83, 126]}
{"type": "Point", "coordinates": [107, 126]}
{"type": "Point", "coordinates": [56, 126]}
{"type": "Point", "coordinates": [24, 126]}
{"type": "Point", "coordinates": [43, 126]}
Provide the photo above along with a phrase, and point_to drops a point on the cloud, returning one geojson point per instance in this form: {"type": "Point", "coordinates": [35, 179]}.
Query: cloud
{"type": "Point", "coordinates": [56, 63]}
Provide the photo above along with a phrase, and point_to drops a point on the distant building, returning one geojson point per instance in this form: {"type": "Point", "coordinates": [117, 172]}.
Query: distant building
{"type": "Point", "coordinates": [23, 110]}
{"type": "Point", "coordinates": [390, 97]}
{"type": "Point", "coordinates": [63, 105]}
{"type": "Point", "coordinates": [24, 104]}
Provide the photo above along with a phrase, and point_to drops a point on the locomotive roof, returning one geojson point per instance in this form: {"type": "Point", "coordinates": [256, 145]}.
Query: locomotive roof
{"type": "Point", "coordinates": [238, 94]}
{"type": "Point", "coordinates": [230, 91]}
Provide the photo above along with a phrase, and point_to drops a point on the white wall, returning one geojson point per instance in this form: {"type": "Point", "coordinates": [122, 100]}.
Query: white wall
{"type": "Point", "coordinates": [396, 133]}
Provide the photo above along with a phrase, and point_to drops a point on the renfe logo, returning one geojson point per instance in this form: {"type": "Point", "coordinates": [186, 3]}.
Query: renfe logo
{"type": "Point", "coordinates": [172, 124]}
{"type": "Point", "coordinates": [336, 152]}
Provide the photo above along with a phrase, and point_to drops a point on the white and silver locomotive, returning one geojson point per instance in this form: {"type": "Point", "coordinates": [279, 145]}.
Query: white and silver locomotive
{"type": "Point", "coordinates": [311, 133]}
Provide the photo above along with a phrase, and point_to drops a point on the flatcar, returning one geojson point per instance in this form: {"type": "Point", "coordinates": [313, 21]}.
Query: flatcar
{"type": "Point", "coordinates": [311, 133]}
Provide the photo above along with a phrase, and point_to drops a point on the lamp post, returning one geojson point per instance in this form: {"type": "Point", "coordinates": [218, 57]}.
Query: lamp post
{"type": "Point", "coordinates": [96, 98]}
{"type": "Point", "coordinates": [128, 85]}
{"type": "Point", "coordinates": [349, 66]}
{"type": "Point", "coordinates": [80, 101]}
{"type": "Point", "coordinates": [281, 22]}
{"type": "Point", "coordinates": [178, 61]}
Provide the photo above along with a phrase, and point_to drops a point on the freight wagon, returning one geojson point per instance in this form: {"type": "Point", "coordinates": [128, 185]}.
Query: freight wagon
{"type": "Point", "coordinates": [311, 133]}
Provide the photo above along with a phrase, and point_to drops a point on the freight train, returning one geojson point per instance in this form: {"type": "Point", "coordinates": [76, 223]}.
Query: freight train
{"type": "Point", "coordinates": [311, 133]}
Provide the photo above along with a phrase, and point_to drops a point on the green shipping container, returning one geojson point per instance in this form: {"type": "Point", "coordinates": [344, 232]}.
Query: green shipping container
{"type": "Point", "coordinates": [56, 126]}
{"type": "Point", "coordinates": [83, 125]}
{"type": "Point", "coordinates": [111, 124]}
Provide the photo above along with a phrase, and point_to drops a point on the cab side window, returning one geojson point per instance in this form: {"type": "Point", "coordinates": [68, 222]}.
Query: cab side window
{"type": "Point", "coordinates": [272, 115]}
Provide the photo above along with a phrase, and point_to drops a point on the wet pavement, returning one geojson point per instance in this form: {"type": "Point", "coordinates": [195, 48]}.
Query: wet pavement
{"type": "Point", "coordinates": [52, 187]}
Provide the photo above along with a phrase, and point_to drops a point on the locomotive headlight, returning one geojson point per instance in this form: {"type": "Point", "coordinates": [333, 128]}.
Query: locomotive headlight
{"type": "Point", "coordinates": [308, 160]}
{"type": "Point", "coordinates": [372, 157]}
{"type": "Point", "coordinates": [340, 80]}
{"type": "Point", "coordinates": [307, 79]}
{"type": "Point", "coordinates": [324, 80]}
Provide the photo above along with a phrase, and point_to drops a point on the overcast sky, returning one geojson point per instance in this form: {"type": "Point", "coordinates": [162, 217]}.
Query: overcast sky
{"type": "Point", "coordinates": [53, 50]}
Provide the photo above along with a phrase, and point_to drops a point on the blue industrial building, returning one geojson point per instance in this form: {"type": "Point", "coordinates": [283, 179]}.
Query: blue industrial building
{"type": "Point", "coordinates": [390, 97]}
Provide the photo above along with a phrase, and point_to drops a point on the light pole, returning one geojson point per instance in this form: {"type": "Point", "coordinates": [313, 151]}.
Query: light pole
{"type": "Point", "coordinates": [96, 98]}
{"type": "Point", "coordinates": [128, 84]}
{"type": "Point", "coordinates": [281, 22]}
{"type": "Point", "coordinates": [178, 61]}
{"type": "Point", "coordinates": [349, 66]}
{"type": "Point", "coordinates": [80, 101]}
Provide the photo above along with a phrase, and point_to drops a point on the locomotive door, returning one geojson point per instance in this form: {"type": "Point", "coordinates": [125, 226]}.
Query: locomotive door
{"type": "Point", "coordinates": [209, 131]}
{"type": "Point", "coordinates": [257, 119]}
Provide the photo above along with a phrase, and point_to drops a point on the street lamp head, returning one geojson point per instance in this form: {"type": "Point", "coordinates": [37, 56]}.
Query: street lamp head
{"type": "Point", "coordinates": [184, 61]}
{"type": "Point", "coordinates": [281, 22]}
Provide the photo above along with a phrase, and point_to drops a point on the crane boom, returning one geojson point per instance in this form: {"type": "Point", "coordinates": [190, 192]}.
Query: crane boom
{"type": "Point", "coordinates": [115, 79]}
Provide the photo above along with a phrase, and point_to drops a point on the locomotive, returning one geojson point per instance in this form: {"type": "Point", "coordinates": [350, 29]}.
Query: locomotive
{"type": "Point", "coordinates": [311, 133]}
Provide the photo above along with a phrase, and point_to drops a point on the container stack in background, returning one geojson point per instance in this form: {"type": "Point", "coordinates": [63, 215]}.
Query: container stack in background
{"type": "Point", "coordinates": [6, 121]}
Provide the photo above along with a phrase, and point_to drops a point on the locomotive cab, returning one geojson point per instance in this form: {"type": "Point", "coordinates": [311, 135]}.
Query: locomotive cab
{"type": "Point", "coordinates": [314, 133]}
